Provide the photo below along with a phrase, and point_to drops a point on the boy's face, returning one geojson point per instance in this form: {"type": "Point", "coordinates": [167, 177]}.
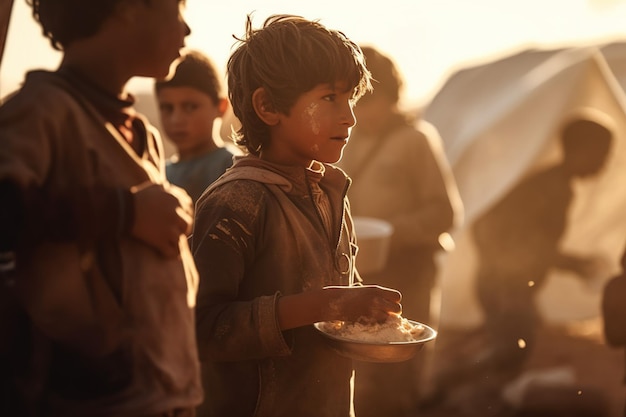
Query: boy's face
{"type": "Point", "coordinates": [159, 35]}
{"type": "Point", "coordinates": [187, 117]}
{"type": "Point", "coordinates": [317, 128]}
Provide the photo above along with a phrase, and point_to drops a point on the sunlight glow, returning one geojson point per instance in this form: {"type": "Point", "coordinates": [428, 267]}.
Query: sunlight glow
{"type": "Point", "coordinates": [429, 40]}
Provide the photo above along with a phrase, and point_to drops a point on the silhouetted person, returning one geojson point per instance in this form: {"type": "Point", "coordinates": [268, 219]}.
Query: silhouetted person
{"type": "Point", "coordinates": [517, 242]}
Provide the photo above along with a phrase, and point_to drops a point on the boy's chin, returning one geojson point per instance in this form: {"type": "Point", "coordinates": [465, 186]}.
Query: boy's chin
{"type": "Point", "coordinates": [337, 159]}
{"type": "Point", "coordinates": [328, 160]}
{"type": "Point", "coordinates": [165, 73]}
{"type": "Point", "coordinates": [169, 72]}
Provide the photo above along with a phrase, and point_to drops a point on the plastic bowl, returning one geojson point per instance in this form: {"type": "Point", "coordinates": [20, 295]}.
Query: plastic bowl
{"type": "Point", "coordinates": [373, 239]}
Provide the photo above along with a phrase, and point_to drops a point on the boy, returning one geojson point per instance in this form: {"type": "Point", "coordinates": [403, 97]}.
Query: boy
{"type": "Point", "coordinates": [273, 241]}
{"type": "Point", "coordinates": [95, 261]}
{"type": "Point", "coordinates": [189, 103]}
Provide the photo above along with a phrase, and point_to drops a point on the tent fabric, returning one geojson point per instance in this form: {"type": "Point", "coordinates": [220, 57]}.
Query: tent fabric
{"type": "Point", "coordinates": [499, 122]}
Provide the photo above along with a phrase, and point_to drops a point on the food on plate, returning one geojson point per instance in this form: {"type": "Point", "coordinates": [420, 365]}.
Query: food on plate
{"type": "Point", "coordinates": [395, 329]}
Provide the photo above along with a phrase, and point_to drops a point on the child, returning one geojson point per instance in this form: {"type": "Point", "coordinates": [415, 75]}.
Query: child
{"type": "Point", "coordinates": [273, 241]}
{"type": "Point", "coordinates": [95, 263]}
{"type": "Point", "coordinates": [189, 103]}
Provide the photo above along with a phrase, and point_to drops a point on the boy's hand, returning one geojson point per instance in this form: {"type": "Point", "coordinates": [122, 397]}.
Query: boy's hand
{"type": "Point", "coordinates": [161, 216]}
{"type": "Point", "coordinates": [368, 302]}
{"type": "Point", "coordinates": [186, 203]}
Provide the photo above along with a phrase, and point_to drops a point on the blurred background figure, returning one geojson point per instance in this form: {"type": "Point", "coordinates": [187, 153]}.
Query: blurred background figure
{"type": "Point", "coordinates": [400, 175]}
{"type": "Point", "coordinates": [501, 123]}
{"type": "Point", "coordinates": [189, 104]}
{"type": "Point", "coordinates": [518, 241]}
{"type": "Point", "coordinates": [614, 311]}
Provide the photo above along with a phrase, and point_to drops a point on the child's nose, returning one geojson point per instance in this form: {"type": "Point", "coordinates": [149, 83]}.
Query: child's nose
{"type": "Point", "coordinates": [178, 115]}
{"type": "Point", "coordinates": [347, 116]}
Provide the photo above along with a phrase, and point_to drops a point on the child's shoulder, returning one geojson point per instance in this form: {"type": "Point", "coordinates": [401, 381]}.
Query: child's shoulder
{"type": "Point", "coordinates": [41, 90]}
{"type": "Point", "coordinates": [237, 188]}
{"type": "Point", "coordinates": [233, 187]}
{"type": "Point", "coordinates": [251, 176]}
{"type": "Point", "coordinates": [242, 184]}
{"type": "Point", "coordinates": [242, 199]}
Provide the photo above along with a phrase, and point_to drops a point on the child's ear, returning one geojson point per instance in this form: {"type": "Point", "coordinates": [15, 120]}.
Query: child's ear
{"type": "Point", "coordinates": [264, 108]}
{"type": "Point", "coordinates": [222, 106]}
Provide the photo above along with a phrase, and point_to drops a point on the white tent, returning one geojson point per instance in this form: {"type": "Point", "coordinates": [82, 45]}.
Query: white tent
{"type": "Point", "coordinates": [498, 122]}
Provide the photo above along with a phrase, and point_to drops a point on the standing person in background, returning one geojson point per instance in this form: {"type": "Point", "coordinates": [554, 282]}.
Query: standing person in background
{"type": "Point", "coordinates": [189, 103]}
{"type": "Point", "coordinates": [519, 241]}
{"type": "Point", "coordinates": [273, 240]}
{"type": "Point", "coordinates": [400, 175]}
{"type": "Point", "coordinates": [94, 260]}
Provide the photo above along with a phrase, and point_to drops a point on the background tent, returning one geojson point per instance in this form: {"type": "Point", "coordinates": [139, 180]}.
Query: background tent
{"type": "Point", "coordinates": [498, 122]}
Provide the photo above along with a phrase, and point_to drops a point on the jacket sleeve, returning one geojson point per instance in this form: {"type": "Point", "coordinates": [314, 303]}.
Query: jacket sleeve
{"type": "Point", "coordinates": [231, 326]}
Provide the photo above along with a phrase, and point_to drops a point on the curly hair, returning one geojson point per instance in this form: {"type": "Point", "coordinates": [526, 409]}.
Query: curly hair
{"type": "Point", "coordinates": [287, 57]}
{"type": "Point", "coordinates": [65, 21]}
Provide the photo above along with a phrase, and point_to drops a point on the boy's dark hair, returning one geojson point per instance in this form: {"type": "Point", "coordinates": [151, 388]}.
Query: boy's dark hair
{"type": "Point", "coordinates": [195, 70]}
{"type": "Point", "coordinates": [64, 21]}
{"type": "Point", "coordinates": [287, 57]}
{"type": "Point", "coordinates": [386, 79]}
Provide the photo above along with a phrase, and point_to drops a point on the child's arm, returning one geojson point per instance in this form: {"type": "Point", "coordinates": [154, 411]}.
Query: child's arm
{"type": "Point", "coordinates": [161, 216]}
{"type": "Point", "coordinates": [150, 213]}
{"type": "Point", "coordinates": [370, 302]}
{"type": "Point", "coordinates": [237, 322]}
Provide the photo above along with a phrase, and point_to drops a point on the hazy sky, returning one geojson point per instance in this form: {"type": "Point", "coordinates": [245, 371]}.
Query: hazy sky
{"type": "Point", "coordinates": [427, 38]}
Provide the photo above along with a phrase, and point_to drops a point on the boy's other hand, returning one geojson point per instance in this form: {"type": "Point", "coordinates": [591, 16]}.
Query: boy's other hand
{"type": "Point", "coordinates": [162, 215]}
{"type": "Point", "coordinates": [186, 203]}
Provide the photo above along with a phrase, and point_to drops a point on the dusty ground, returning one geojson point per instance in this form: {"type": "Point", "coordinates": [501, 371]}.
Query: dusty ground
{"type": "Point", "coordinates": [595, 376]}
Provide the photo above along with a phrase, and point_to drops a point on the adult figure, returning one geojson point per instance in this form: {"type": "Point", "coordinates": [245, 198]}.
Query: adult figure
{"type": "Point", "coordinates": [399, 174]}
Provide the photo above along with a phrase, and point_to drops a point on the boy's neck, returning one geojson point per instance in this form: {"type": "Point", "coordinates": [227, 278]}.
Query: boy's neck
{"type": "Point", "coordinates": [316, 166]}
{"type": "Point", "coordinates": [97, 67]}
{"type": "Point", "coordinates": [201, 149]}
{"type": "Point", "coordinates": [279, 158]}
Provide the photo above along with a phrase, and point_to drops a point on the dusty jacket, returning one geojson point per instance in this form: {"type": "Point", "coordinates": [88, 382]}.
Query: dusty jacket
{"type": "Point", "coordinates": [258, 235]}
{"type": "Point", "coordinates": [115, 318]}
